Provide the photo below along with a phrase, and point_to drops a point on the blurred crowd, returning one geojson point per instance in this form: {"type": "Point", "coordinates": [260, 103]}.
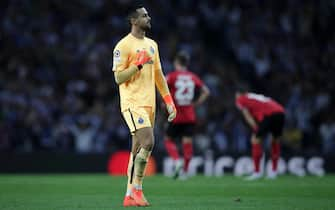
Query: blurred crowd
{"type": "Point", "coordinates": [57, 92]}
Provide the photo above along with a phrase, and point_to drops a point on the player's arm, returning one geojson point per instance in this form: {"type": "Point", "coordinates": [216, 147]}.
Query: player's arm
{"type": "Point", "coordinates": [204, 94]}
{"type": "Point", "coordinates": [250, 120]}
{"type": "Point", "coordinates": [161, 83]}
{"type": "Point", "coordinates": [163, 89]}
{"type": "Point", "coordinates": [241, 105]}
{"type": "Point", "coordinates": [125, 75]}
{"type": "Point", "coordinates": [165, 93]}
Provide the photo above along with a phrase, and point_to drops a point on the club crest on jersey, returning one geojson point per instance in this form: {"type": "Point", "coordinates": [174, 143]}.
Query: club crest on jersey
{"type": "Point", "coordinates": [152, 50]}
{"type": "Point", "coordinates": [140, 120]}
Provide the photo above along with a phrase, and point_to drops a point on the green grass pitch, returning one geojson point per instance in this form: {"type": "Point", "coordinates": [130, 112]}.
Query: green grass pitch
{"type": "Point", "coordinates": [66, 192]}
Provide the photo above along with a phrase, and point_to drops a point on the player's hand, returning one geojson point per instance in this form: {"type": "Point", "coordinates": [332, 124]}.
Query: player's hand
{"type": "Point", "coordinates": [170, 107]}
{"type": "Point", "coordinates": [142, 58]}
{"type": "Point", "coordinates": [172, 111]}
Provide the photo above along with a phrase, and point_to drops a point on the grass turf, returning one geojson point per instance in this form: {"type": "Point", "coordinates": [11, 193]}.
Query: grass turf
{"type": "Point", "coordinates": [66, 192]}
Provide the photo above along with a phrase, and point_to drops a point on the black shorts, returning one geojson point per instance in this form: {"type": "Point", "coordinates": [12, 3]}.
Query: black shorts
{"type": "Point", "coordinates": [178, 130]}
{"type": "Point", "coordinates": [273, 124]}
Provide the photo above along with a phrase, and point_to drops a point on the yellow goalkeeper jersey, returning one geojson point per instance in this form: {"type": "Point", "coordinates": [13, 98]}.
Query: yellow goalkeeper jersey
{"type": "Point", "coordinates": [139, 90]}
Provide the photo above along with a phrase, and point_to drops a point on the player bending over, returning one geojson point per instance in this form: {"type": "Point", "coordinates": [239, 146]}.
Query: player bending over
{"type": "Point", "coordinates": [137, 70]}
{"type": "Point", "coordinates": [264, 116]}
{"type": "Point", "coordinates": [183, 85]}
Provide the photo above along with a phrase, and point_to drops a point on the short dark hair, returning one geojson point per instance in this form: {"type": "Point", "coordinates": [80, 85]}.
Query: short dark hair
{"type": "Point", "coordinates": [183, 58]}
{"type": "Point", "coordinates": [133, 14]}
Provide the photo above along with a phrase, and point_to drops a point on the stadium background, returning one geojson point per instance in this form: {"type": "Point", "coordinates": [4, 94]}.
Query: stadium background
{"type": "Point", "coordinates": [59, 108]}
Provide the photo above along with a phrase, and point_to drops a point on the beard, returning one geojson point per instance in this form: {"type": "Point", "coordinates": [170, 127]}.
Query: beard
{"type": "Point", "coordinates": [146, 27]}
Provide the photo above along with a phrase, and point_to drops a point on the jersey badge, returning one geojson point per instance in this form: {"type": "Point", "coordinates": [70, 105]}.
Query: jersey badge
{"type": "Point", "coordinates": [116, 58]}
{"type": "Point", "coordinates": [152, 50]}
{"type": "Point", "coordinates": [117, 53]}
{"type": "Point", "coordinates": [140, 120]}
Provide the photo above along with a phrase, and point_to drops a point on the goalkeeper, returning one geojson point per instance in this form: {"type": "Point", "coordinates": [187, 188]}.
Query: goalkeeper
{"type": "Point", "coordinates": [137, 70]}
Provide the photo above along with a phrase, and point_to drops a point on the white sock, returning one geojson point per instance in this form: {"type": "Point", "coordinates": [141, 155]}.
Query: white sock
{"type": "Point", "coordinates": [138, 187]}
{"type": "Point", "coordinates": [128, 193]}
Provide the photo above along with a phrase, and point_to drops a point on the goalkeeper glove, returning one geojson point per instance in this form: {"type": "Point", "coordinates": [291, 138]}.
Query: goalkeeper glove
{"type": "Point", "coordinates": [142, 58]}
{"type": "Point", "coordinates": [171, 108]}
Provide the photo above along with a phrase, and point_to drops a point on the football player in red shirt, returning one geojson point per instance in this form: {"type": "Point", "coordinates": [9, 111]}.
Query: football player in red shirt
{"type": "Point", "coordinates": [183, 85]}
{"type": "Point", "coordinates": [264, 116]}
